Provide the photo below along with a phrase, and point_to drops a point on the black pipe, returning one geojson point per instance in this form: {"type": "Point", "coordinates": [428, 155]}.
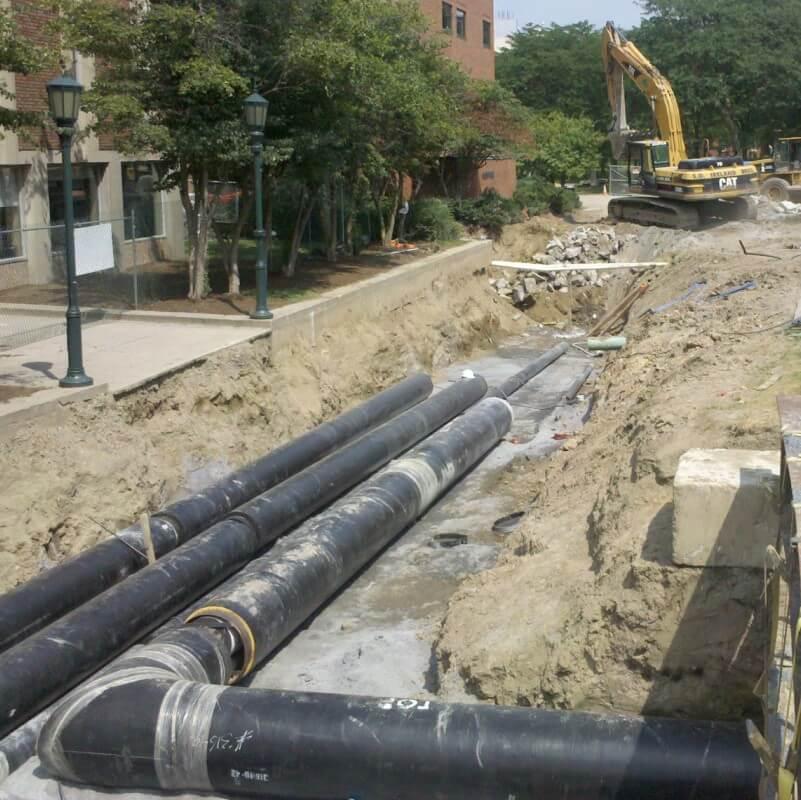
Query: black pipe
{"type": "Point", "coordinates": [53, 593]}
{"type": "Point", "coordinates": [153, 734]}
{"type": "Point", "coordinates": [572, 391]}
{"type": "Point", "coordinates": [520, 379]}
{"type": "Point", "coordinates": [42, 667]}
{"type": "Point", "coordinates": [276, 593]}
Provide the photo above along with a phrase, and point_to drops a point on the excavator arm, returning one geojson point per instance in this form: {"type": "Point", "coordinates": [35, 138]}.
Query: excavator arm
{"type": "Point", "coordinates": [621, 58]}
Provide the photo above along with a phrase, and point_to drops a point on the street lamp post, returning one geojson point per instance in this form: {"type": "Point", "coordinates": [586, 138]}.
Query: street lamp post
{"type": "Point", "coordinates": [64, 96]}
{"type": "Point", "coordinates": [256, 117]}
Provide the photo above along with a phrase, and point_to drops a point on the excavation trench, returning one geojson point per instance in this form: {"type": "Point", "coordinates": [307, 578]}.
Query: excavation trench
{"type": "Point", "coordinates": [379, 635]}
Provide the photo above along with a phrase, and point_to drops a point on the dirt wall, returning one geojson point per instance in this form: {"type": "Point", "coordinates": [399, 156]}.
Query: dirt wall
{"type": "Point", "coordinates": [585, 610]}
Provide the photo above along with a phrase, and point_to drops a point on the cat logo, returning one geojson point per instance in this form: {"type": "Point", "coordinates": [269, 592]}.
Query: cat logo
{"type": "Point", "coordinates": [727, 183]}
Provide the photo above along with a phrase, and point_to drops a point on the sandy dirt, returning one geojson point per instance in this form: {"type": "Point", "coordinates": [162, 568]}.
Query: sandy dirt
{"type": "Point", "coordinates": [69, 484]}
{"type": "Point", "coordinates": [585, 609]}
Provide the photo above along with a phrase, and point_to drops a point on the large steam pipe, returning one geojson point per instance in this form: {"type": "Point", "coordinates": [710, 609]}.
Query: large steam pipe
{"type": "Point", "coordinates": [42, 667]}
{"type": "Point", "coordinates": [329, 747]}
{"type": "Point", "coordinates": [220, 641]}
{"type": "Point", "coordinates": [530, 371]}
{"type": "Point", "coordinates": [53, 593]}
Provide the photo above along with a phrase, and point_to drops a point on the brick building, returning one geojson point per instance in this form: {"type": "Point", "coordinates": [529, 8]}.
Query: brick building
{"type": "Point", "coordinates": [108, 187]}
{"type": "Point", "coordinates": [470, 28]}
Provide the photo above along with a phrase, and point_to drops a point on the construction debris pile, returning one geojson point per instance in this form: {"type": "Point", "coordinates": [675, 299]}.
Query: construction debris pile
{"type": "Point", "coordinates": [582, 246]}
{"type": "Point", "coordinates": [586, 245]}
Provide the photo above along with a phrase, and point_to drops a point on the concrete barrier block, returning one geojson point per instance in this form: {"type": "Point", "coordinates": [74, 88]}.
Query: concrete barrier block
{"type": "Point", "coordinates": [725, 507]}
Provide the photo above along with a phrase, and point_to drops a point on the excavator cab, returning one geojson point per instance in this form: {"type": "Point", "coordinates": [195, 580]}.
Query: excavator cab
{"type": "Point", "coordinates": [788, 153]}
{"type": "Point", "coordinates": [645, 157]}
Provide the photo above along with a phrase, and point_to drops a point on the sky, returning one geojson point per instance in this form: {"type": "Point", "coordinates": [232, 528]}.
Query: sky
{"type": "Point", "coordinates": [510, 14]}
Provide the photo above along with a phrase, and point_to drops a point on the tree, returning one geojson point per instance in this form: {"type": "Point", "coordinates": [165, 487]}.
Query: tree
{"type": "Point", "coordinates": [566, 148]}
{"type": "Point", "coordinates": [167, 84]}
{"type": "Point", "coordinates": [557, 68]}
{"type": "Point", "coordinates": [732, 64]}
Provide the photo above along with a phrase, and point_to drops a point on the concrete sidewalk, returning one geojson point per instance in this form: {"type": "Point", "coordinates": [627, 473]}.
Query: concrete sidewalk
{"type": "Point", "coordinates": [120, 356]}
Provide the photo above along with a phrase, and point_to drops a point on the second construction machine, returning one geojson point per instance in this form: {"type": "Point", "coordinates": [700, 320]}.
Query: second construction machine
{"type": "Point", "coordinates": [665, 186]}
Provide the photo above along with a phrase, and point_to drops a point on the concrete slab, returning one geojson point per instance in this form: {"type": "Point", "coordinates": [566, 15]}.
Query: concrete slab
{"type": "Point", "coordinates": [376, 637]}
{"type": "Point", "coordinates": [725, 507]}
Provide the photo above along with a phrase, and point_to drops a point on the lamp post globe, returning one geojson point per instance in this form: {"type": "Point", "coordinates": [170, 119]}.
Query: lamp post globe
{"type": "Point", "coordinates": [64, 99]}
{"type": "Point", "coordinates": [256, 108]}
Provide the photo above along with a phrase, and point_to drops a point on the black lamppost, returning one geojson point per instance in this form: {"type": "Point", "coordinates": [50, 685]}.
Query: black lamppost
{"type": "Point", "coordinates": [256, 117]}
{"type": "Point", "coordinates": [64, 96]}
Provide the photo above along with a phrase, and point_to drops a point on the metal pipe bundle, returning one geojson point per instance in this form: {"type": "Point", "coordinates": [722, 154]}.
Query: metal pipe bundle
{"type": "Point", "coordinates": [53, 593]}
{"type": "Point", "coordinates": [41, 668]}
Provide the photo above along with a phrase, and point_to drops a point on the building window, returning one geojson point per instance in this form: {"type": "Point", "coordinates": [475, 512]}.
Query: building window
{"type": "Point", "coordinates": [447, 17]}
{"type": "Point", "coordinates": [142, 202]}
{"type": "Point", "coordinates": [461, 23]}
{"type": "Point", "coordinates": [10, 233]}
{"type": "Point", "coordinates": [487, 34]}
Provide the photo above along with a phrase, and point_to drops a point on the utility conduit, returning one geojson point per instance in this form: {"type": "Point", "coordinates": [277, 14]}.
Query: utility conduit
{"type": "Point", "coordinates": [41, 668]}
{"type": "Point", "coordinates": [53, 593]}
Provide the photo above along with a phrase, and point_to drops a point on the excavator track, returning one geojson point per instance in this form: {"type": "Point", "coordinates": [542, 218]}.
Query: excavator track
{"type": "Point", "coordinates": [645, 210]}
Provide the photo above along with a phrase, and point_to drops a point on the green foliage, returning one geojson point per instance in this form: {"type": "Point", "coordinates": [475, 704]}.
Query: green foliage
{"type": "Point", "coordinates": [566, 148]}
{"type": "Point", "coordinates": [732, 63]}
{"type": "Point", "coordinates": [432, 220]}
{"type": "Point", "coordinates": [18, 54]}
{"type": "Point", "coordinates": [557, 67]}
{"type": "Point", "coordinates": [536, 195]}
{"type": "Point", "coordinates": [489, 211]}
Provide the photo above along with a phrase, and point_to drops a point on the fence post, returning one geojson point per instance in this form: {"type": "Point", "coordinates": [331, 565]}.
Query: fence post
{"type": "Point", "coordinates": [135, 268]}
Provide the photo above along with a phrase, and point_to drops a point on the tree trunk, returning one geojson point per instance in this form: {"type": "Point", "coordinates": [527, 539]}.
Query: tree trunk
{"type": "Point", "coordinates": [331, 222]}
{"type": "Point", "coordinates": [232, 262]}
{"type": "Point", "coordinates": [388, 229]}
{"type": "Point", "coordinates": [191, 228]}
{"type": "Point", "coordinates": [304, 212]}
{"type": "Point", "coordinates": [267, 184]}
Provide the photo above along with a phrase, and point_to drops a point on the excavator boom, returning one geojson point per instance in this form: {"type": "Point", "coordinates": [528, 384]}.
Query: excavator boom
{"type": "Point", "coordinates": [621, 58]}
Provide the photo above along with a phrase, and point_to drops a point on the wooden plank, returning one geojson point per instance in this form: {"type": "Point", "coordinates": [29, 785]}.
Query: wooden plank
{"type": "Point", "coordinates": [619, 310]}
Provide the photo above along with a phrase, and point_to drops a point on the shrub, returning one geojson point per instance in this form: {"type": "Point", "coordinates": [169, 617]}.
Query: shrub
{"type": "Point", "coordinates": [433, 220]}
{"type": "Point", "coordinates": [537, 195]}
{"type": "Point", "coordinates": [489, 211]}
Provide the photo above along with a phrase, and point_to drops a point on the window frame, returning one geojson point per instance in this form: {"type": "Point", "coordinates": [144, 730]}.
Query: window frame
{"type": "Point", "coordinates": [21, 256]}
{"type": "Point", "coordinates": [486, 34]}
{"type": "Point", "coordinates": [447, 8]}
{"type": "Point", "coordinates": [463, 19]}
{"type": "Point", "coordinates": [162, 205]}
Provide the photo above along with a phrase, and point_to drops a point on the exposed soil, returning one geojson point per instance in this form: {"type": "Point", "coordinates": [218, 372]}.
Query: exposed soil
{"type": "Point", "coordinates": [162, 286]}
{"type": "Point", "coordinates": [67, 485]}
{"type": "Point", "coordinates": [586, 610]}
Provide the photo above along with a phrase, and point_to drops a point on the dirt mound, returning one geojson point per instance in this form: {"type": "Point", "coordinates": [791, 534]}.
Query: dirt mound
{"type": "Point", "coordinates": [70, 484]}
{"type": "Point", "coordinates": [586, 610]}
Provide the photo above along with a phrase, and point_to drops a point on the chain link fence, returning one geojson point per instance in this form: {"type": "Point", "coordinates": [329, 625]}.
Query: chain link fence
{"type": "Point", "coordinates": [618, 179]}
{"type": "Point", "coordinates": [122, 263]}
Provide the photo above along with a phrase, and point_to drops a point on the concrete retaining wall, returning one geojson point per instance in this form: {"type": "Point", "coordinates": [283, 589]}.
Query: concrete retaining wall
{"type": "Point", "coordinates": [376, 295]}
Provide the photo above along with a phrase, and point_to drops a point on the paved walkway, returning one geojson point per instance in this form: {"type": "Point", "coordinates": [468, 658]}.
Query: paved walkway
{"type": "Point", "coordinates": [120, 355]}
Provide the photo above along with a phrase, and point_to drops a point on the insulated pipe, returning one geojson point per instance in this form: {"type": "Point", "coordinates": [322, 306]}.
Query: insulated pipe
{"type": "Point", "coordinates": [149, 726]}
{"type": "Point", "coordinates": [519, 379]}
{"type": "Point", "coordinates": [274, 594]}
{"type": "Point", "coordinates": [53, 593]}
{"type": "Point", "coordinates": [42, 667]}
{"type": "Point", "coordinates": [575, 387]}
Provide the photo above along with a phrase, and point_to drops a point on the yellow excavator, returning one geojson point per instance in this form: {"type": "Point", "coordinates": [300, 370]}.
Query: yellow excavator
{"type": "Point", "coordinates": [667, 188]}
